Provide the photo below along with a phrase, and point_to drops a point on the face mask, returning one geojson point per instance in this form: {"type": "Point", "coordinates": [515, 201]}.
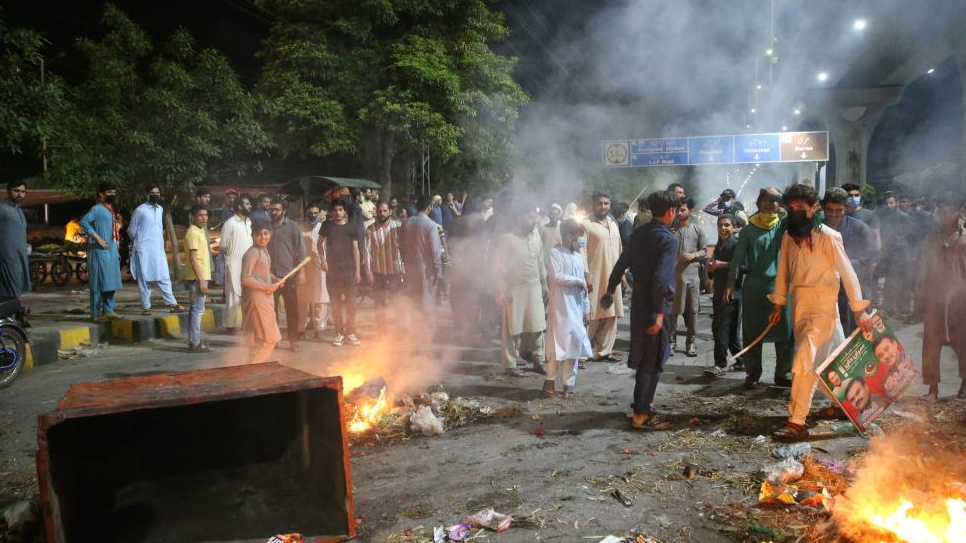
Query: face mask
{"type": "Point", "coordinates": [110, 198]}
{"type": "Point", "coordinates": [727, 205]}
{"type": "Point", "coordinates": [313, 219]}
{"type": "Point", "coordinates": [382, 218]}
{"type": "Point", "coordinates": [154, 198]}
{"type": "Point", "coordinates": [580, 244]}
{"type": "Point", "coordinates": [799, 225]}
{"type": "Point", "coordinates": [854, 201]}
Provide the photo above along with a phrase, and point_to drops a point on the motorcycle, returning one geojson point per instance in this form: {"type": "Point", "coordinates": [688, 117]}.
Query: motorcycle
{"type": "Point", "coordinates": [13, 340]}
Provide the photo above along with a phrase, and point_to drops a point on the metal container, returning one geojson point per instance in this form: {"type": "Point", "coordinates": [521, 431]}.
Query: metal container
{"type": "Point", "coordinates": [239, 453]}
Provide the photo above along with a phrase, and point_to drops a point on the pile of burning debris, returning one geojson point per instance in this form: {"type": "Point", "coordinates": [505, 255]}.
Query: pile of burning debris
{"type": "Point", "coordinates": [372, 413]}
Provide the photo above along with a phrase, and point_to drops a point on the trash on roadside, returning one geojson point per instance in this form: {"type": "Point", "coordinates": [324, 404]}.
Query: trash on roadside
{"type": "Point", "coordinates": [458, 532]}
{"type": "Point", "coordinates": [425, 422]}
{"type": "Point", "coordinates": [611, 539]}
{"type": "Point", "coordinates": [286, 538]}
{"type": "Point", "coordinates": [619, 496]}
{"type": "Point", "coordinates": [793, 450]}
{"type": "Point", "coordinates": [787, 471]}
{"type": "Point", "coordinates": [619, 369]}
{"type": "Point", "coordinates": [439, 397]}
{"type": "Point", "coordinates": [490, 519]}
{"type": "Point", "coordinates": [540, 431]}
{"type": "Point", "coordinates": [695, 421]}
{"type": "Point", "coordinates": [691, 471]}
{"type": "Point", "coordinates": [849, 429]}
{"type": "Point", "coordinates": [788, 495]}
{"type": "Point", "coordinates": [439, 534]}
{"type": "Point", "coordinates": [837, 467]}
{"type": "Point", "coordinates": [761, 439]}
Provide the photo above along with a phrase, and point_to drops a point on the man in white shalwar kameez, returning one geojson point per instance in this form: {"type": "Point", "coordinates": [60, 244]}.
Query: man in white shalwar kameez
{"type": "Point", "coordinates": [567, 308]}
{"type": "Point", "coordinates": [521, 286]}
{"type": "Point", "coordinates": [149, 262]}
{"type": "Point", "coordinates": [603, 250]}
{"type": "Point", "coordinates": [811, 266]}
{"type": "Point", "coordinates": [236, 238]}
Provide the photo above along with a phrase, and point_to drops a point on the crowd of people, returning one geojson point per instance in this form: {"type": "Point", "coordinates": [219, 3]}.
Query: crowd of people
{"type": "Point", "coordinates": [549, 282]}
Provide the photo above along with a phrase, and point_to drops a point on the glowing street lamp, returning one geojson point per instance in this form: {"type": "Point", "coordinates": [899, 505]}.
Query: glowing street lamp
{"type": "Point", "coordinates": [823, 76]}
{"type": "Point", "coordinates": [859, 25]}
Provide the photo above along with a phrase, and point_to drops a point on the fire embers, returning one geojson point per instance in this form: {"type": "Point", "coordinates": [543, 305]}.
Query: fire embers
{"type": "Point", "coordinates": [910, 487]}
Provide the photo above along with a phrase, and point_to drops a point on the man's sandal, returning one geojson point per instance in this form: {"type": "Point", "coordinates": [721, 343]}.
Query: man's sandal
{"type": "Point", "coordinates": [608, 358]}
{"type": "Point", "coordinates": [548, 388]}
{"type": "Point", "coordinates": [652, 422]}
{"type": "Point", "coordinates": [791, 432]}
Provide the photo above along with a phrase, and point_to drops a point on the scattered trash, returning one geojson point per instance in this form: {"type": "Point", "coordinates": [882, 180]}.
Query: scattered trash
{"type": "Point", "coordinates": [719, 433]}
{"type": "Point", "coordinates": [611, 539]}
{"type": "Point", "coordinates": [619, 369]}
{"type": "Point", "coordinates": [786, 471]}
{"type": "Point", "coordinates": [837, 467]}
{"type": "Point", "coordinates": [490, 519]}
{"type": "Point", "coordinates": [761, 439]}
{"type": "Point", "coordinates": [763, 530]}
{"type": "Point", "coordinates": [539, 431]}
{"type": "Point", "coordinates": [439, 397]}
{"type": "Point", "coordinates": [287, 538]}
{"type": "Point", "coordinates": [794, 450]}
{"type": "Point", "coordinates": [439, 534]}
{"type": "Point", "coordinates": [619, 496]}
{"type": "Point", "coordinates": [84, 350]}
{"type": "Point", "coordinates": [369, 389]}
{"type": "Point", "coordinates": [849, 429]}
{"type": "Point", "coordinates": [425, 422]}
{"type": "Point", "coordinates": [458, 532]}
{"type": "Point", "coordinates": [907, 415]}
{"type": "Point", "coordinates": [691, 471]}
{"type": "Point", "coordinates": [788, 495]}
{"type": "Point", "coordinates": [694, 421]}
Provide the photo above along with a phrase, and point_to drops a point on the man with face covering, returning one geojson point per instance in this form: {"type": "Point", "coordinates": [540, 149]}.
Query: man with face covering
{"type": "Point", "coordinates": [103, 226]}
{"type": "Point", "coordinates": [811, 266]}
{"type": "Point", "coordinates": [754, 266]}
{"type": "Point", "coordinates": [149, 263]}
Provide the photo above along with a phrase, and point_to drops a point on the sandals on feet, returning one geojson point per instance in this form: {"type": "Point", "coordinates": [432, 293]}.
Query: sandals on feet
{"type": "Point", "coordinates": [652, 422]}
{"type": "Point", "coordinates": [548, 388]}
{"type": "Point", "coordinates": [608, 358]}
{"type": "Point", "coordinates": [146, 311]}
{"type": "Point", "coordinates": [791, 432]}
{"type": "Point", "coordinates": [715, 371]}
{"type": "Point", "coordinates": [176, 308]}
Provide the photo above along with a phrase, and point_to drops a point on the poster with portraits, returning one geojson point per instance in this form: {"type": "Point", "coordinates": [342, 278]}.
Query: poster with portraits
{"type": "Point", "coordinates": [867, 373]}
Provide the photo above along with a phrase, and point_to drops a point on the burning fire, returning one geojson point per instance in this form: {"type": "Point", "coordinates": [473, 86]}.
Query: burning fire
{"type": "Point", "coordinates": [924, 526]}
{"type": "Point", "coordinates": [368, 413]}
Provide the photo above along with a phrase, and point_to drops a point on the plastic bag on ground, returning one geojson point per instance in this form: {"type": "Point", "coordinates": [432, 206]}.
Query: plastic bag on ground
{"type": "Point", "coordinates": [425, 422]}
{"type": "Point", "coordinates": [786, 471]}
{"type": "Point", "coordinates": [794, 450]}
{"type": "Point", "coordinates": [490, 520]}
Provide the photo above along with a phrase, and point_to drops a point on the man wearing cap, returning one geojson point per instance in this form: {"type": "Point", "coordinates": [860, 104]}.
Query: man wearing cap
{"type": "Point", "coordinates": [725, 203]}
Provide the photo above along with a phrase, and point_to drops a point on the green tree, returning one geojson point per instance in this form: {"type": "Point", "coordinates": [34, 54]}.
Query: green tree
{"type": "Point", "coordinates": [379, 79]}
{"type": "Point", "coordinates": [172, 116]}
{"type": "Point", "coordinates": [27, 97]}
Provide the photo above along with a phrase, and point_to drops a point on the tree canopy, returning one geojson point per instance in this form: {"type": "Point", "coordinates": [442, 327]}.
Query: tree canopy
{"type": "Point", "coordinates": [380, 79]}
{"type": "Point", "coordinates": [172, 116]}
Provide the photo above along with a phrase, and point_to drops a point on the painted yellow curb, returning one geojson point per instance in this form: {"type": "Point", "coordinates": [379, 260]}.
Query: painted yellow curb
{"type": "Point", "coordinates": [208, 321]}
{"type": "Point", "coordinates": [122, 329]}
{"type": "Point", "coordinates": [28, 362]}
{"type": "Point", "coordinates": [170, 326]}
{"type": "Point", "coordinates": [72, 337]}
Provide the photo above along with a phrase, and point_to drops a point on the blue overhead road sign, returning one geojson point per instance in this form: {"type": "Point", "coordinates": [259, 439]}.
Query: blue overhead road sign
{"type": "Point", "coordinates": [757, 148]}
{"type": "Point", "coordinates": [711, 150]}
{"type": "Point", "coordinates": [659, 152]}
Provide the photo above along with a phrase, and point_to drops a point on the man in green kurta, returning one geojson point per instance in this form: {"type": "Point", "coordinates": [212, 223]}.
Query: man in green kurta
{"type": "Point", "coordinates": [754, 267]}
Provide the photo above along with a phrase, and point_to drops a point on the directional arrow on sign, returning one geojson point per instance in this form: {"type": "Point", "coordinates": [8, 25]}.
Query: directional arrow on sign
{"type": "Point", "coordinates": [757, 156]}
{"type": "Point", "coordinates": [804, 154]}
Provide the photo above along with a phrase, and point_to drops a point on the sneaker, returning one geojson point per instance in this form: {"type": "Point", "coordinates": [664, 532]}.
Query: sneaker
{"type": "Point", "coordinates": [737, 366]}
{"type": "Point", "coordinates": [339, 340]}
{"type": "Point", "coordinates": [353, 340]}
{"type": "Point", "coordinates": [751, 383]}
{"type": "Point", "coordinates": [199, 348]}
{"type": "Point", "coordinates": [783, 382]}
{"type": "Point", "coordinates": [581, 363]}
{"type": "Point", "coordinates": [691, 350]}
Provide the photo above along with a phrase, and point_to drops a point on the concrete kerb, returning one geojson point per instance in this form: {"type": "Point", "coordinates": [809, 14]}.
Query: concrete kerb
{"type": "Point", "coordinates": [46, 341]}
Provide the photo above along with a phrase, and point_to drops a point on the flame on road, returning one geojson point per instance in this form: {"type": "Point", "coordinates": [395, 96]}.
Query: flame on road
{"type": "Point", "coordinates": [915, 525]}
{"type": "Point", "coordinates": [368, 413]}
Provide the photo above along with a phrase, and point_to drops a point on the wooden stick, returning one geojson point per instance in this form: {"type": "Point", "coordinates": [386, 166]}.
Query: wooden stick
{"type": "Point", "coordinates": [734, 358]}
{"type": "Point", "coordinates": [295, 269]}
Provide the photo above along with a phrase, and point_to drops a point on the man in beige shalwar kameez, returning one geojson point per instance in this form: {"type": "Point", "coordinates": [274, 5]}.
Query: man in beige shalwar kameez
{"type": "Point", "coordinates": [603, 250]}
{"type": "Point", "coordinates": [258, 294]}
{"type": "Point", "coordinates": [521, 288]}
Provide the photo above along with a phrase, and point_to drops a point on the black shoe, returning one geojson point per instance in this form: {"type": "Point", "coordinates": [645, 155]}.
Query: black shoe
{"type": "Point", "coordinates": [751, 383]}
{"type": "Point", "coordinates": [783, 382]}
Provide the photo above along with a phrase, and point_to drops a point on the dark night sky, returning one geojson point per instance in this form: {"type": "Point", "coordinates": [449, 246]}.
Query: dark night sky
{"type": "Point", "coordinates": [931, 109]}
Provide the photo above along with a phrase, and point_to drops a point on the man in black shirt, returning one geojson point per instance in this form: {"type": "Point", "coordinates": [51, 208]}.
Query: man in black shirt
{"type": "Point", "coordinates": [339, 251]}
{"type": "Point", "coordinates": [724, 327]}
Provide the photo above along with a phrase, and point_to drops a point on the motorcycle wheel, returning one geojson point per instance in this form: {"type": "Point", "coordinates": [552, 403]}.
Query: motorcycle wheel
{"type": "Point", "coordinates": [59, 273]}
{"type": "Point", "coordinates": [13, 352]}
{"type": "Point", "coordinates": [38, 273]}
{"type": "Point", "coordinates": [80, 271]}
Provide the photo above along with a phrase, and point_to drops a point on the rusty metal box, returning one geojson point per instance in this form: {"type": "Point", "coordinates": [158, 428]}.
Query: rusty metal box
{"type": "Point", "coordinates": [239, 453]}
